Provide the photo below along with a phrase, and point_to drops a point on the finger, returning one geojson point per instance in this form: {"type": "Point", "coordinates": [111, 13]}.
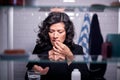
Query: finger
{"type": "Point", "coordinates": [46, 68]}
{"type": "Point", "coordinates": [56, 50]}
{"type": "Point", "coordinates": [37, 68]}
{"type": "Point", "coordinates": [61, 58]}
{"type": "Point", "coordinates": [51, 57]}
{"type": "Point", "coordinates": [56, 57]}
{"type": "Point", "coordinates": [40, 68]}
{"type": "Point", "coordinates": [50, 53]}
{"type": "Point", "coordinates": [44, 71]}
{"type": "Point", "coordinates": [55, 53]}
{"type": "Point", "coordinates": [58, 46]}
{"type": "Point", "coordinates": [61, 45]}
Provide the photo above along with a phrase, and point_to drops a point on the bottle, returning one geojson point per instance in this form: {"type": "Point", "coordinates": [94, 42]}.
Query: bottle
{"type": "Point", "coordinates": [75, 75]}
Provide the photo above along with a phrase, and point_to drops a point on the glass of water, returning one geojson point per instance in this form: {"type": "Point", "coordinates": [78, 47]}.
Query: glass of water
{"type": "Point", "coordinates": [32, 75]}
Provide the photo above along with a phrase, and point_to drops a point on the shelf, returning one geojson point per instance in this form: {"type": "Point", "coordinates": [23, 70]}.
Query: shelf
{"type": "Point", "coordinates": [35, 58]}
{"type": "Point", "coordinates": [14, 57]}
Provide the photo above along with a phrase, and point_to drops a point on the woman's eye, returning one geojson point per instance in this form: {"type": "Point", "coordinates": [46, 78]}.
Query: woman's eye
{"type": "Point", "coordinates": [61, 32]}
{"type": "Point", "coordinates": [51, 31]}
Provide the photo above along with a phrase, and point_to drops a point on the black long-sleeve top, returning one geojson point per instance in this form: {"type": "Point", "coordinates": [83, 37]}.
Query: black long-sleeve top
{"type": "Point", "coordinates": [59, 70]}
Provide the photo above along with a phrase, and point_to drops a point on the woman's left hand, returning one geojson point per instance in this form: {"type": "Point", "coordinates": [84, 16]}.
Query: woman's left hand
{"type": "Point", "coordinates": [54, 56]}
{"type": "Point", "coordinates": [63, 49]}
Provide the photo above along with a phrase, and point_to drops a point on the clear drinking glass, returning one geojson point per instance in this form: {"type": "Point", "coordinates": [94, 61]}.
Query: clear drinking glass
{"type": "Point", "coordinates": [32, 75]}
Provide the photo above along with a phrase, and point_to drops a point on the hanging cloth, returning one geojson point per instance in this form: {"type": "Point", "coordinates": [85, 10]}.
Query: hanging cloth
{"type": "Point", "coordinates": [95, 37]}
{"type": "Point", "coordinates": [84, 35]}
{"type": "Point", "coordinates": [97, 71]}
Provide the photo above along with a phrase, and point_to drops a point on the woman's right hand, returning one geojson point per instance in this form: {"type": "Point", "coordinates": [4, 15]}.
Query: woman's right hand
{"type": "Point", "coordinates": [43, 71]}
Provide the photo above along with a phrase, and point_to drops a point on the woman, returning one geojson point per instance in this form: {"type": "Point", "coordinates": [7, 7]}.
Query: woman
{"type": "Point", "coordinates": [55, 40]}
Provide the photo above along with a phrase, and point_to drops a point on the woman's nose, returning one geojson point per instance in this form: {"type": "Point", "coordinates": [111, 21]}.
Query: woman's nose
{"type": "Point", "coordinates": [55, 35]}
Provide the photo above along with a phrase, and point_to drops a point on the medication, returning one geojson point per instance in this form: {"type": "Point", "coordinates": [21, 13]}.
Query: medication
{"type": "Point", "coordinates": [76, 75]}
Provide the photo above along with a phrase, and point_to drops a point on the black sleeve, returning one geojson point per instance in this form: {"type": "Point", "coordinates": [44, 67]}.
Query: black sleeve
{"type": "Point", "coordinates": [77, 50]}
{"type": "Point", "coordinates": [37, 50]}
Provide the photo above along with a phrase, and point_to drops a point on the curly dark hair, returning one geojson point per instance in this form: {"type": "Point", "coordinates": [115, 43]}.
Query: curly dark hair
{"type": "Point", "coordinates": [55, 17]}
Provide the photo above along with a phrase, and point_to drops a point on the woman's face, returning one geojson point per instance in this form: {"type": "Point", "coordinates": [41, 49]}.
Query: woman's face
{"type": "Point", "coordinates": [57, 32]}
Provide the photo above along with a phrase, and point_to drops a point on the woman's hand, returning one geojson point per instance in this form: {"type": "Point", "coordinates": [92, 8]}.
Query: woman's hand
{"type": "Point", "coordinates": [62, 49]}
{"type": "Point", "coordinates": [43, 71]}
{"type": "Point", "coordinates": [54, 56]}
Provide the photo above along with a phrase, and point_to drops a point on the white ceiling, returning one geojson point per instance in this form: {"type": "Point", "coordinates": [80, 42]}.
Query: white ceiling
{"type": "Point", "coordinates": [45, 5]}
{"type": "Point", "coordinates": [61, 3]}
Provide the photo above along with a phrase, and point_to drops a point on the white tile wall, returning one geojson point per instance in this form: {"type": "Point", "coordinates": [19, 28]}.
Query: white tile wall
{"type": "Point", "coordinates": [26, 26]}
{"type": "Point", "coordinates": [19, 70]}
{"type": "Point", "coordinates": [3, 30]}
{"type": "Point", "coordinates": [3, 43]}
